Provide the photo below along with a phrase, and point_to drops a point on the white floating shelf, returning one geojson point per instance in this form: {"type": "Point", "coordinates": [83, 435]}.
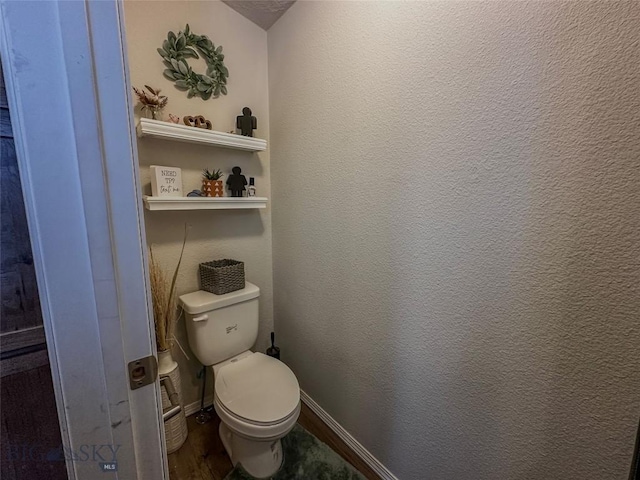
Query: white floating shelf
{"type": "Point", "coordinates": [182, 133]}
{"type": "Point", "coordinates": [202, 203]}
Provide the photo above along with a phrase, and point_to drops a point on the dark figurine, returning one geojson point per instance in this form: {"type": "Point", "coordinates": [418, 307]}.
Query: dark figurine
{"type": "Point", "coordinates": [246, 122]}
{"type": "Point", "coordinates": [236, 182]}
{"type": "Point", "coordinates": [194, 193]}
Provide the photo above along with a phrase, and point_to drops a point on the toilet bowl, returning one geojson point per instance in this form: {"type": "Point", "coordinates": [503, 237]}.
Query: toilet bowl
{"type": "Point", "coordinates": [258, 401]}
{"type": "Point", "coordinates": [256, 396]}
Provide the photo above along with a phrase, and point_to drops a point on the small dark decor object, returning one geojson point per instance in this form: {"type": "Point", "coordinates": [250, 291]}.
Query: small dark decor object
{"type": "Point", "coordinates": [175, 51]}
{"type": "Point", "coordinates": [222, 276]}
{"type": "Point", "coordinates": [246, 122]}
{"type": "Point", "coordinates": [236, 182]}
{"type": "Point", "coordinates": [273, 351]}
{"type": "Point", "coordinates": [195, 193]}
{"type": "Point", "coordinates": [211, 183]}
{"type": "Point", "coordinates": [151, 102]}
{"type": "Point", "coordinates": [199, 122]}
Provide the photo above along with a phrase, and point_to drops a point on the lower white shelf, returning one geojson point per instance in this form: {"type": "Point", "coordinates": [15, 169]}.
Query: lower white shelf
{"type": "Point", "coordinates": [203, 203]}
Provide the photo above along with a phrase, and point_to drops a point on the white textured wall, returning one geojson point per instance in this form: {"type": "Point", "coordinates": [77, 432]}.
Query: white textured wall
{"type": "Point", "coordinates": [243, 235]}
{"type": "Point", "coordinates": [456, 217]}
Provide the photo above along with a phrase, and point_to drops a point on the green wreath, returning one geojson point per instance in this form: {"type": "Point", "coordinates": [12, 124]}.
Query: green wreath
{"type": "Point", "coordinates": [175, 51]}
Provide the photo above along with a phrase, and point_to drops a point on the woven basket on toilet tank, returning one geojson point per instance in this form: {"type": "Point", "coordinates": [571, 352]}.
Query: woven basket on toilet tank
{"type": "Point", "coordinates": [222, 276]}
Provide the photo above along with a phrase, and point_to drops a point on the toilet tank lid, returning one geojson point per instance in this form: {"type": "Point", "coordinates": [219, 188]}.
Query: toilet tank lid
{"type": "Point", "coordinates": [201, 301]}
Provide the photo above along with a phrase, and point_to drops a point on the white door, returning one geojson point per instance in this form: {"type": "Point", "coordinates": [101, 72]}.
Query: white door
{"type": "Point", "coordinates": [67, 86]}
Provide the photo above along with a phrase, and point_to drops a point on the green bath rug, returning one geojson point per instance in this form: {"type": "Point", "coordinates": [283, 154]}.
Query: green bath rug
{"type": "Point", "coordinates": [306, 458]}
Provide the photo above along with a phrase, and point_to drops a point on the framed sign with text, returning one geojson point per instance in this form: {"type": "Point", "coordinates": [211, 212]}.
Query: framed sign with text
{"type": "Point", "coordinates": [166, 181]}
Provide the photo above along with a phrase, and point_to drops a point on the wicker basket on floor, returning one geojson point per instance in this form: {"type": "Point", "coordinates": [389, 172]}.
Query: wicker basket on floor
{"type": "Point", "coordinates": [175, 429]}
{"type": "Point", "coordinates": [222, 276]}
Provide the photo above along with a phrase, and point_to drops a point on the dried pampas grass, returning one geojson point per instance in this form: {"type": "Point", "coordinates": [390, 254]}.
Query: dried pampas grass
{"type": "Point", "coordinates": [163, 297]}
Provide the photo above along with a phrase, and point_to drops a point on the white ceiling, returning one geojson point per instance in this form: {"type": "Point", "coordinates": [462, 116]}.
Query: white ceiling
{"type": "Point", "coordinates": [261, 12]}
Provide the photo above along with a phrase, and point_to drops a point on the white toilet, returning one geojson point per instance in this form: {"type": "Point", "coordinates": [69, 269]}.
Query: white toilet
{"type": "Point", "coordinates": [256, 397]}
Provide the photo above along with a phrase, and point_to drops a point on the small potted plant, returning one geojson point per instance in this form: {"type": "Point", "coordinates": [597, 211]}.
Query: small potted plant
{"type": "Point", "coordinates": [211, 184]}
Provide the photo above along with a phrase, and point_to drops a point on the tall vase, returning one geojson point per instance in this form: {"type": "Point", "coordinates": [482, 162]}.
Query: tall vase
{"type": "Point", "coordinates": [175, 429]}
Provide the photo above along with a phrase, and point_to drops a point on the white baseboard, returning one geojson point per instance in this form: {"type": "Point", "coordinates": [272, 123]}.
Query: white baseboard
{"type": "Point", "coordinates": [375, 464]}
{"type": "Point", "coordinates": [194, 407]}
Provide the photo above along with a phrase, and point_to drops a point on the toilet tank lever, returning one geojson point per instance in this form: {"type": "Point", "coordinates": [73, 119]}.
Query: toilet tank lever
{"type": "Point", "coordinates": [201, 318]}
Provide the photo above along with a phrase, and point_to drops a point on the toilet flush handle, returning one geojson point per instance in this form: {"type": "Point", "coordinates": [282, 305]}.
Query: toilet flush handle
{"type": "Point", "coordinates": [201, 318]}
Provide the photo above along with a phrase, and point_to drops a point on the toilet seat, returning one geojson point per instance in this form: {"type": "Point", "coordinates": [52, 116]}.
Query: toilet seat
{"type": "Point", "coordinates": [257, 396]}
{"type": "Point", "coordinates": [253, 431]}
{"type": "Point", "coordinates": [248, 420]}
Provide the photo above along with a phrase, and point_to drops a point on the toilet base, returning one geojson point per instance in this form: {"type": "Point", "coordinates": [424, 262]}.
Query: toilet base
{"type": "Point", "coordinates": [259, 459]}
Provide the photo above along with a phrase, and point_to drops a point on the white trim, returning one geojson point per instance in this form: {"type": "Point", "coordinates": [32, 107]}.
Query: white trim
{"type": "Point", "coordinates": [194, 407]}
{"type": "Point", "coordinates": [126, 227]}
{"type": "Point", "coordinates": [78, 174]}
{"type": "Point", "coordinates": [183, 133]}
{"type": "Point", "coordinates": [366, 456]}
{"type": "Point", "coordinates": [203, 203]}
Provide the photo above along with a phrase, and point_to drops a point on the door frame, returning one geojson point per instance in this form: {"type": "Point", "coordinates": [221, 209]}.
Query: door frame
{"type": "Point", "coordinates": [68, 88]}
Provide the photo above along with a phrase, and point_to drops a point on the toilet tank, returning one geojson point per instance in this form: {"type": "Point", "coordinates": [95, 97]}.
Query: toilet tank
{"type": "Point", "coordinates": [221, 326]}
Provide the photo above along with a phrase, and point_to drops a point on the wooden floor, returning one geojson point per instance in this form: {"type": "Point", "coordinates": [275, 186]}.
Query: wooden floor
{"type": "Point", "coordinates": [202, 457]}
